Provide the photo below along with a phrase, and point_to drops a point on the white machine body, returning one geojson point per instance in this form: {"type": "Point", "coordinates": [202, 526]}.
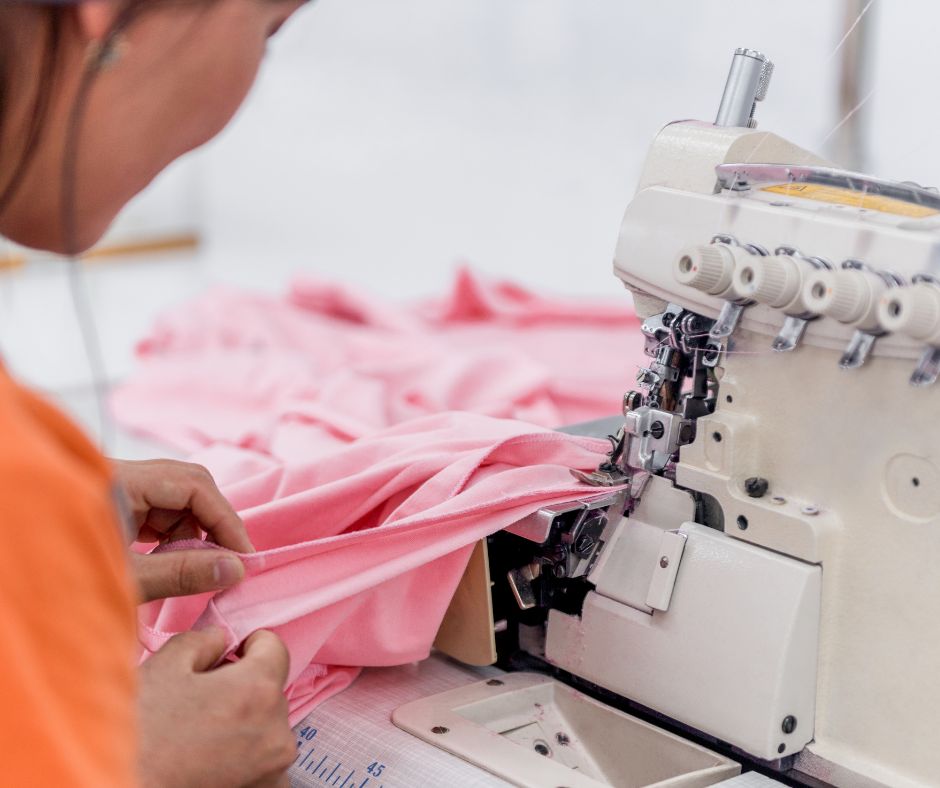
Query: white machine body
{"type": "Point", "coordinates": [763, 569]}
{"type": "Point", "coordinates": [821, 596]}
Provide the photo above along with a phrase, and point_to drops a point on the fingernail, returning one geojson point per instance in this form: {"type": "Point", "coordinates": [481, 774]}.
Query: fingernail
{"type": "Point", "coordinates": [227, 571]}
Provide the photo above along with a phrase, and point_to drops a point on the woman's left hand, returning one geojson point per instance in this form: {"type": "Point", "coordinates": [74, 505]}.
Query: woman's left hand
{"type": "Point", "coordinates": [170, 501]}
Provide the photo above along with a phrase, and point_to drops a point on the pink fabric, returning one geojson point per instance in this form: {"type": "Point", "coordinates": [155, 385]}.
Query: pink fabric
{"type": "Point", "coordinates": [359, 551]}
{"type": "Point", "coordinates": [327, 364]}
{"type": "Point", "coordinates": [327, 419]}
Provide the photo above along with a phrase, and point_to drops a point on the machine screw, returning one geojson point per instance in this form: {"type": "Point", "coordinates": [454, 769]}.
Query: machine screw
{"type": "Point", "coordinates": [562, 739]}
{"type": "Point", "coordinates": [542, 748]}
{"type": "Point", "coordinates": [440, 729]}
{"type": "Point", "coordinates": [584, 545]}
{"type": "Point", "coordinates": [789, 724]}
{"type": "Point", "coordinates": [756, 486]}
{"type": "Point", "coordinates": [657, 430]}
{"type": "Point", "coordinates": [559, 570]}
{"type": "Point", "coordinates": [810, 510]}
{"type": "Point", "coordinates": [495, 683]}
{"type": "Point", "coordinates": [664, 562]}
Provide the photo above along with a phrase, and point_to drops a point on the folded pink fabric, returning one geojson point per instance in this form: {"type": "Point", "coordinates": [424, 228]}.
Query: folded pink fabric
{"type": "Point", "coordinates": [327, 364]}
{"type": "Point", "coordinates": [360, 550]}
{"type": "Point", "coordinates": [327, 418]}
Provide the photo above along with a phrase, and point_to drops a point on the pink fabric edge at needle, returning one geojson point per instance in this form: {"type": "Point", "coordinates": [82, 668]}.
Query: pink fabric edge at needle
{"type": "Point", "coordinates": [373, 588]}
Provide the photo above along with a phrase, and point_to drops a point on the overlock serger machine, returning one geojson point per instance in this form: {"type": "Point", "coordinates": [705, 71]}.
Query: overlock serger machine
{"type": "Point", "coordinates": [766, 590]}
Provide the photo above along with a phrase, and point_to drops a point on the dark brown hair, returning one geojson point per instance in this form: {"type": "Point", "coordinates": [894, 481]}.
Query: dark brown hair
{"type": "Point", "coordinates": [8, 74]}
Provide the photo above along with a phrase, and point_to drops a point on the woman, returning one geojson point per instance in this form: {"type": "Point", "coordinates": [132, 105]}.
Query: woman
{"type": "Point", "coordinates": [96, 98]}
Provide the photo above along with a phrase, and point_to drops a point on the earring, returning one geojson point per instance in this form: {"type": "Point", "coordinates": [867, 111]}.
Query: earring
{"type": "Point", "coordinates": [104, 55]}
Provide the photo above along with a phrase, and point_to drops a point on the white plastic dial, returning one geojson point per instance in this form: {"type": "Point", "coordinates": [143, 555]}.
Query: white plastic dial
{"type": "Point", "coordinates": [708, 268]}
{"type": "Point", "coordinates": [774, 281]}
{"type": "Point", "coordinates": [913, 311]}
{"type": "Point", "coordinates": [848, 295]}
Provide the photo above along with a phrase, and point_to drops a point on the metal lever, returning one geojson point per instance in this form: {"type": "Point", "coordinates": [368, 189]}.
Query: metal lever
{"type": "Point", "coordinates": [727, 320]}
{"type": "Point", "coordinates": [858, 350]}
{"type": "Point", "coordinates": [744, 175]}
{"type": "Point", "coordinates": [790, 335]}
{"type": "Point", "coordinates": [928, 370]}
{"type": "Point", "coordinates": [520, 583]}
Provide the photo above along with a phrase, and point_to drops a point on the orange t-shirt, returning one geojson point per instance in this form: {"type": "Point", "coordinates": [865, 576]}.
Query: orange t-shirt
{"type": "Point", "coordinates": [67, 675]}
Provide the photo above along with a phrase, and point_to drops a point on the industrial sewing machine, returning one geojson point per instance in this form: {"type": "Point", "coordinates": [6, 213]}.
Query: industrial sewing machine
{"type": "Point", "coordinates": [766, 589]}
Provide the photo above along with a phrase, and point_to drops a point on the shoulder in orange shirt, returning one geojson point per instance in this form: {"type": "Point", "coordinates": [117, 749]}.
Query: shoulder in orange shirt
{"type": "Point", "coordinates": [67, 676]}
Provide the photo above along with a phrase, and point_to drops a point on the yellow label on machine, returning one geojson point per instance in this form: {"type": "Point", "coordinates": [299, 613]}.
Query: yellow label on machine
{"type": "Point", "coordinates": [838, 195]}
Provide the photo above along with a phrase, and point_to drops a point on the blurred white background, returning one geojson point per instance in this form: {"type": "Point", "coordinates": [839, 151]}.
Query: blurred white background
{"type": "Point", "coordinates": [387, 140]}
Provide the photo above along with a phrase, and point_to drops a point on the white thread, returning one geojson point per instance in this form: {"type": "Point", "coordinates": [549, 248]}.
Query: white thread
{"type": "Point", "coordinates": [849, 31]}
{"type": "Point", "coordinates": [92, 346]}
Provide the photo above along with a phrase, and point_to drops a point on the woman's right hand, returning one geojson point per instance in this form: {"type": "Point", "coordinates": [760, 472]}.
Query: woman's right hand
{"type": "Point", "coordinates": [206, 726]}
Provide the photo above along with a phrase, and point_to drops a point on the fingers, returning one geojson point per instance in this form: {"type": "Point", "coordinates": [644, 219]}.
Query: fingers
{"type": "Point", "coordinates": [264, 654]}
{"type": "Point", "coordinates": [197, 650]}
{"type": "Point", "coordinates": [175, 525]}
{"type": "Point", "coordinates": [215, 513]}
{"type": "Point", "coordinates": [185, 572]}
{"type": "Point", "coordinates": [169, 488]}
{"type": "Point", "coordinates": [164, 525]}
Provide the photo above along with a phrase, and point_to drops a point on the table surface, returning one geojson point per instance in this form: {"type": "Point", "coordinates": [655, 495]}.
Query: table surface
{"type": "Point", "coordinates": [349, 741]}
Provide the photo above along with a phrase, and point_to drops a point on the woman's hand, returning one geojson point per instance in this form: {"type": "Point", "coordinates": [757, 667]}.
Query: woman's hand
{"type": "Point", "coordinates": [170, 501]}
{"type": "Point", "coordinates": [215, 727]}
{"type": "Point", "coordinates": [198, 725]}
